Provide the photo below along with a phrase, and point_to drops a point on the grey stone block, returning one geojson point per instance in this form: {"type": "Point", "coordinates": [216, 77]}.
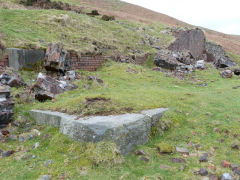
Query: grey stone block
{"type": "Point", "coordinates": [23, 58]}
{"type": "Point", "coordinates": [126, 131]}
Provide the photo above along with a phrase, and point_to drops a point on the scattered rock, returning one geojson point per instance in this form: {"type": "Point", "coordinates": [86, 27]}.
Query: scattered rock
{"type": "Point", "coordinates": [234, 166]}
{"type": "Point", "coordinates": [70, 75]}
{"type": "Point", "coordinates": [237, 171]}
{"type": "Point", "coordinates": [10, 78]}
{"type": "Point", "coordinates": [140, 152]}
{"type": "Point", "coordinates": [1, 136]}
{"type": "Point", "coordinates": [36, 145]}
{"type": "Point", "coordinates": [21, 139]}
{"type": "Point", "coordinates": [226, 74]}
{"type": "Point", "coordinates": [213, 177]}
{"type": "Point", "coordinates": [237, 71]}
{"type": "Point", "coordinates": [226, 164]}
{"type": "Point", "coordinates": [200, 64]}
{"type": "Point", "coordinates": [45, 177]}
{"type": "Point", "coordinates": [47, 87]}
{"type": "Point", "coordinates": [226, 176]}
{"type": "Point", "coordinates": [164, 166]}
{"type": "Point", "coordinates": [97, 79]}
{"type": "Point", "coordinates": [7, 153]}
{"type": "Point", "coordinates": [203, 158]}
{"type": "Point", "coordinates": [203, 172]}
{"type": "Point", "coordinates": [203, 84]}
{"type": "Point", "coordinates": [178, 160]}
{"type": "Point", "coordinates": [182, 150]}
{"type": "Point", "coordinates": [48, 162]}
{"type": "Point", "coordinates": [146, 159]}
{"type": "Point", "coordinates": [165, 148]}
{"type": "Point", "coordinates": [235, 146]}
{"type": "Point", "coordinates": [236, 87]}
{"type": "Point", "coordinates": [6, 106]}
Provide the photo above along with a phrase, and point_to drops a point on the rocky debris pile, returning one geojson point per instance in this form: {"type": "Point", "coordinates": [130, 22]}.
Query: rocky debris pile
{"type": "Point", "coordinates": [10, 78]}
{"type": "Point", "coordinates": [226, 74]}
{"type": "Point", "coordinates": [47, 87]}
{"type": "Point", "coordinates": [217, 55]}
{"type": "Point", "coordinates": [190, 51]}
{"type": "Point", "coordinates": [174, 61]}
{"type": "Point", "coordinates": [6, 105]}
{"type": "Point", "coordinates": [57, 59]}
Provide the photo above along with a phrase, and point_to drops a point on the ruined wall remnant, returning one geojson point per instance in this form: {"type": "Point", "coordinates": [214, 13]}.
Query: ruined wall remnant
{"type": "Point", "coordinates": [192, 40]}
{"type": "Point", "coordinates": [23, 58]}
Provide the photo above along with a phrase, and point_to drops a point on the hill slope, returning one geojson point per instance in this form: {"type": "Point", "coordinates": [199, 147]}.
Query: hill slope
{"type": "Point", "coordinates": [128, 11]}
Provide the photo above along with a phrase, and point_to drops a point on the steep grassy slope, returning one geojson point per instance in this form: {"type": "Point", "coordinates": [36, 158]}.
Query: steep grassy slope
{"type": "Point", "coordinates": [37, 28]}
{"type": "Point", "coordinates": [198, 115]}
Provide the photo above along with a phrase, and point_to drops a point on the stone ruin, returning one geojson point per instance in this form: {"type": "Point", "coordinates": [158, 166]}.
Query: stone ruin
{"type": "Point", "coordinates": [189, 50]}
{"type": "Point", "coordinates": [57, 59]}
{"type": "Point", "coordinates": [6, 105]}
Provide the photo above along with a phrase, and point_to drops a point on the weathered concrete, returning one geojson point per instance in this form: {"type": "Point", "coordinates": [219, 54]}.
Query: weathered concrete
{"type": "Point", "coordinates": [23, 58]}
{"type": "Point", "coordinates": [127, 130]}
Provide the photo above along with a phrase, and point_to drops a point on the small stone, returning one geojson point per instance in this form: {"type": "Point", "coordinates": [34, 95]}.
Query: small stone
{"type": "Point", "coordinates": [226, 176]}
{"type": "Point", "coordinates": [13, 137]}
{"type": "Point", "coordinates": [165, 148]}
{"type": "Point", "coordinates": [164, 166]}
{"type": "Point", "coordinates": [234, 166]}
{"type": "Point", "coordinates": [36, 132]}
{"type": "Point", "coordinates": [7, 153]}
{"type": "Point", "coordinates": [30, 136]}
{"type": "Point", "coordinates": [36, 145]}
{"type": "Point", "coordinates": [45, 177]}
{"type": "Point", "coordinates": [182, 150]}
{"type": "Point", "coordinates": [213, 177]}
{"type": "Point", "coordinates": [21, 139]}
{"type": "Point", "coordinates": [48, 162]}
{"type": "Point", "coordinates": [140, 152]}
{"type": "Point", "coordinates": [33, 156]}
{"type": "Point", "coordinates": [221, 140]}
{"type": "Point", "coordinates": [212, 167]}
{"type": "Point", "coordinates": [203, 172]}
{"type": "Point", "coordinates": [146, 159]}
{"type": "Point", "coordinates": [226, 164]}
{"type": "Point", "coordinates": [203, 158]}
{"type": "Point", "coordinates": [235, 146]}
{"type": "Point", "coordinates": [178, 160]}
{"type": "Point", "coordinates": [237, 171]}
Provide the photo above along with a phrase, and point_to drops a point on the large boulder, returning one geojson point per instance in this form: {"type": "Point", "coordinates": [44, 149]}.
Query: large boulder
{"type": "Point", "coordinates": [6, 105]}
{"type": "Point", "coordinates": [47, 87]}
{"type": "Point", "coordinates": [217, 55]}
{"type": "Point", "coordinates": [192, 40]}
{"type": "Point", "coordinates": [57, 59]}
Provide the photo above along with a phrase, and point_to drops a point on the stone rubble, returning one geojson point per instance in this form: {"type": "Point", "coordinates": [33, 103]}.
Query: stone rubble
{"type": "Point", "coordinates": [10, 78]}
{"type": "Point", "coordinates": [6, 105]}
{"type": "Point", "coordinates": [226, 74]}
{"type": "Point", "coordinates": [47, 87]}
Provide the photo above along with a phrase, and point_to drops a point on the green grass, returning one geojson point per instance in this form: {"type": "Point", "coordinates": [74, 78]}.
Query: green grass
{"type": "Point", "coordinates": [37, 28]}
{"type": "Point", "coordinates": [195, 113]}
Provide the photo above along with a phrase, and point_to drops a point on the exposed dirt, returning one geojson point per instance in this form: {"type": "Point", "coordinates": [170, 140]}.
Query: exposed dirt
{"type": "Point", "coordinates": [128, 11]}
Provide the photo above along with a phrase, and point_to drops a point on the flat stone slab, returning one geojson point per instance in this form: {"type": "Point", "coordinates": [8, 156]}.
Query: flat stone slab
{"type": "Point", "coordinates": [126, 130]}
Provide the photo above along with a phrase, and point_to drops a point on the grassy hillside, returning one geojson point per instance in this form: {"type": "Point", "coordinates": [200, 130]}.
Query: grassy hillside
{"type": "Point", "coordinates": [37, 28]}
{"type": "Point", "coordinates": [198, 115]}
{"type": "Point", "coordinates": [201, 118]}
